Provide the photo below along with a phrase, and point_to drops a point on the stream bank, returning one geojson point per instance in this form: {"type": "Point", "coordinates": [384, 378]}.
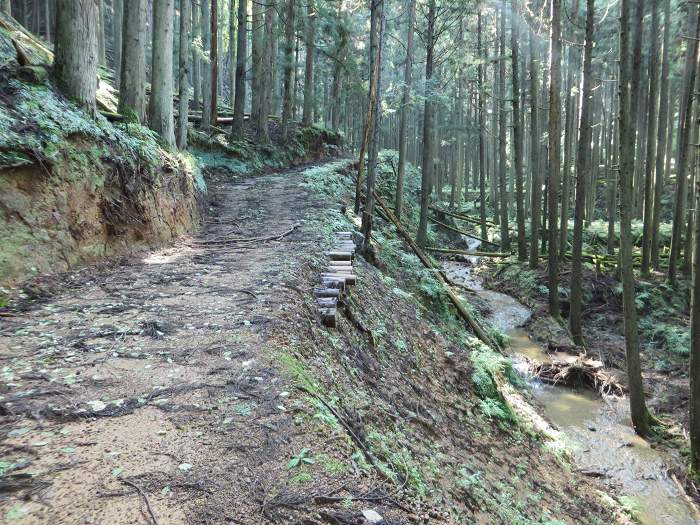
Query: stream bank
{"type": "Point", "coordinates": [597, 430]}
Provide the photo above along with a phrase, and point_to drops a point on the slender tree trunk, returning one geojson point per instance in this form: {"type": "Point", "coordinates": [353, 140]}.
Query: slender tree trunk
{"type": "Point", "coordinates": [502, 134]}
{"type": "Point", "coordinates": [6, 7]}
{"type": "Point", "coordinates": [241, 55]}
{"type": "Point", "coordinates": [428, 129]}
{"type": "Point", "coordinates": [518, 137]}
{"type": "Point", "coordinates": [307, 115]}
{"type": "Point", "coordinates": [75, 60]}
{"type": "Point", "coordinates": [662, 145]}
{"type": "Point", "coordinates": [612, 185]}
{"type": "Point", "coordinates": [101, 44]}
{"type": "Point", "coordinates": [265, 73]}
{"type": "Point", "coordinates": [482, 129]}
{"type": "Point", "coordinates": [214, 59]}
{"type": "Point", "coordinates": [651, 141]}
{"type": "Point", "coordinates": [554, 156]}
{"type": "Point", "coordinates": [196, 61]}
{"type": "Point", "coordinates": [232, 52]}
{"type": "Point", "coordinates": [582, 168]}
{"type": "Point", "coordinates": [184, 95]}
{"type": "Point", "coordinates": [341, 44]}
{"type": "Point", "coordinates": [405, 98]}
{"type": "Point", "coordinates": [132, 86]}
{"type": "Point", "coordinates": [569, 132]}
{"type": "Point", "coordinates": [536, 182]}
{"type": "Point", "coordinates": [640, 415]}
{"type": "Point", "coordinates": [206, 64]}
{"type": "Point", "coordinates": [378, 14]}
{"type": "Point", "coordinates": [117, 25]}
{"type": "Point", "coordinates": [160, 109]}
{"type": "Point", "coordinates": [288, 69]}
{"type": "Point", "coordinates": [694, 404]}
{"type": "Point", "coordinates": [684, 143]}
{"type": "Point", "coordinates": [48, 20]}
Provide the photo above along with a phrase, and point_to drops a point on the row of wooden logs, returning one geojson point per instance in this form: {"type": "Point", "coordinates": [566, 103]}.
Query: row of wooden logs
{"type": "Point", "coordinates": [337, 277]}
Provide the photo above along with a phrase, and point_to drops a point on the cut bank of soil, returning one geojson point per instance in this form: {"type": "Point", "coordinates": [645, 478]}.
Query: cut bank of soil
{"type": "Point", "coordinates": [178, 373]}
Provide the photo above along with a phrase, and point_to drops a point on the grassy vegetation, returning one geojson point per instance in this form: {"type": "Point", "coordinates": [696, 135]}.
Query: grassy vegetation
{"type": "Point", "coordinates": [402, 452]}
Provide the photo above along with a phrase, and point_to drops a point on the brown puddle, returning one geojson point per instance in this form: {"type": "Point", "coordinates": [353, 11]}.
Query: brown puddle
{"type": "Point", "coordinates": [597, 430]}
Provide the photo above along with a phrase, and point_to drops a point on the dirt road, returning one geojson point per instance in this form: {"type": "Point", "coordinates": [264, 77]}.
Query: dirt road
{"type": "Point", "coordinates": [151, 377]}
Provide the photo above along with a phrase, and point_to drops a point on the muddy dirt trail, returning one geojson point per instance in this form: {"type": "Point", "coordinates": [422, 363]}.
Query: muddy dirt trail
{"type": "Point", "coordinates": [150, 376]}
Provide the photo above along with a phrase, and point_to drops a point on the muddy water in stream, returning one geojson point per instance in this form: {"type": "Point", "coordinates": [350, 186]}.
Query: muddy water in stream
{"type": "Point", "coordinates": [597, 430]}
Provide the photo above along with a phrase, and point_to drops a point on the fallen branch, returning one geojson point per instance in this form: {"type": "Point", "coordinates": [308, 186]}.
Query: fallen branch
{"type": "Point", "coordinates": [440, 276]}
{"type": "Point", "coordinates": [468, 253]}
{"type": "Point", "coordinates": [145, 498]}
{"type": "Point", "coordinates": [463, 217]}
{"type": "Point", "coordinates": [361, 445]}
{"type": "Point", "coordinates": [462, 232]}
{"type": "Point", "coordinates": [274, 237]}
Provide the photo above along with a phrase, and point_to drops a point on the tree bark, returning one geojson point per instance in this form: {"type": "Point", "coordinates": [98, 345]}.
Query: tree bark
{"type": "Point", "coordinates": [214, 59]}
{"type": "Point", "coordinates": [6, 7]}
{"type": "Point", "coordinates": [482, 127]}
{"type": "Point", "coordinates": [196, 61]}
{"type": "Point", "coordinates": [379, 14]}
{"type": "Point", "coordinates": [288, 69]}
{"type": "Point", "coordinates": [117, 25]}
{"type": "Point", "coordinates": [684, 143]}
{"type": "Point", "coordinates": [662, 145]}
{"type": "Point", "coordinates": [518, 135]}
{"type": "Point", "coordinates": [405, 99]}
{"type": "Point", "coordinates": [694, 404]}
{"type": "Point", "coordinates": [428, 129]}
{"type": "Point", "coordinates": [101, 44]}
{"type": "Point", "coordinates": [75, 59]}
{"type": "Point", "coordinates": [241, 55]}
{"type": "Point", "coordinates": [639, 413]}
{"type": "Point", "coordinates": [554, 156]}
{"type": "Point", "coordinates": [308, 107]}
{"type": "Point", "coordinates": [536, 181]}
{"type": "Point", "coordinates": [502, 136]}
{"type": "Point", "coordinates": [160, 109]}
{"type": "Point", "coordinates": [266, 73]}
{"type": "Point", "coordinates": [184, 59]}
{"type": "Point", "coordinates": [132, 86]}
{"type": "Point", "coordinates": [206, 64]}
{"type": "Point", "coordinates": [582, 168]}
{"type": "Point", "coordinates": [651, 141]}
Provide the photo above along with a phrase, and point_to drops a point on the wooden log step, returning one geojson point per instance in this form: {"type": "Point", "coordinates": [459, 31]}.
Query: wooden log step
{"type": "Point", "coordinates": [342, 263]}
{"type": "Point", "coordinates": [340, 255]}
{"type": "Point", "coordinates": [348, 246]}
{"type": "Point", "coordinates": [333, 282]}
{"type": "Point", "coordinates": [326, 292]}
{"type": "Point", "coordinates": [348, 279]}
{"type": "Point", "coordinates": [327, 302]}
{"type": "Point", "coordinates": [340, 269]}
{"type": "Point", "coordinates": [328, 317]}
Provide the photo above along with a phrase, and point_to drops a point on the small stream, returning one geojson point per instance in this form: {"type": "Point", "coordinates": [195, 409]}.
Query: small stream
{"type": "Point", "coordinates": [597, 430]}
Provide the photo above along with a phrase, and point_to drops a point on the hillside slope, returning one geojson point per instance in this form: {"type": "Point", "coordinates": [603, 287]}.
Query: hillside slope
{"type": "Point", "coordinates": [200, 379]}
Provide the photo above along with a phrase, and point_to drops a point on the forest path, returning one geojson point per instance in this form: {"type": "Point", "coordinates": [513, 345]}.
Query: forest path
{"type": "Point", "coordinates": [152, 373]}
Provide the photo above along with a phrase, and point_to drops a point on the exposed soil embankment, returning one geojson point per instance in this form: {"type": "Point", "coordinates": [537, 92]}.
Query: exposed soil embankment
{"type": "Point", "coordinates": [55, 217]}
